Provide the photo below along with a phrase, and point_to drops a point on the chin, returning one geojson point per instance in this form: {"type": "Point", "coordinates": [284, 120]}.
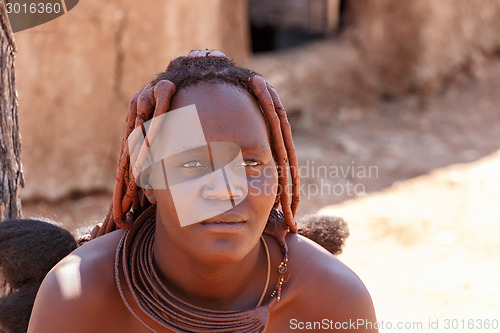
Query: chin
{"type": "Point", "coordinates": [223, 251]}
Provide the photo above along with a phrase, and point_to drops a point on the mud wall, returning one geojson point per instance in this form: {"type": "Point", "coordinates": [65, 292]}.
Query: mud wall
{"type": "Point", "coordinates": [386, 48]}
{"type": "Point", "coordinates": [419, 45]}
{"type": "Point", "coordinates": [76, 74]}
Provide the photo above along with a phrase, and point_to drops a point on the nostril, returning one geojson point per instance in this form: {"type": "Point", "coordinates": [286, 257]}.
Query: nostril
{"type": "Point", "coordinates": [237, 196]}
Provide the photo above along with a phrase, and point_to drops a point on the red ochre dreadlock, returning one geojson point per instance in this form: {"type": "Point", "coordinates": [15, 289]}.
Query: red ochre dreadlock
{"type": "Point", "coordinates": [199, 66]}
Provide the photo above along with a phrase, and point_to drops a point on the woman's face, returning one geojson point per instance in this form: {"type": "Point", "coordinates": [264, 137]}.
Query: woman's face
{"type": "Point", "coordinates": [221, 183]}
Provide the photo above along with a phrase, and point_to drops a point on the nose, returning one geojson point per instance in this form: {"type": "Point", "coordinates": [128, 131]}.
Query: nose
{"type": "Point", "coordinates": [222, 191]}
{"type": "Point", "coordinates": [227, 183]}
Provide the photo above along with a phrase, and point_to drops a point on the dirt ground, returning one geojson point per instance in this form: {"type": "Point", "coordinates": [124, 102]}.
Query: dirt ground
{"type": "Point", "coordinates": [427, 248]}
{"type": "Point", "coordinates": [417, 181]}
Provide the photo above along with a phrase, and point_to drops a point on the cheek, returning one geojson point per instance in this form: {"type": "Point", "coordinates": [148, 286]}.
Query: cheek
{"type": "Point", "coordinates": [263, 185]}
{"type": "Point", "coordinates": [166, 206]}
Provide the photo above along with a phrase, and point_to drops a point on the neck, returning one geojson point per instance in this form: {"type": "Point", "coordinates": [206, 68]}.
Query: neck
{"type": "Point", "coordinates": [220, 286]}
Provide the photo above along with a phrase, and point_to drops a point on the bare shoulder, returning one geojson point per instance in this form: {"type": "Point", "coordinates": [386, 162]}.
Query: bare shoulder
{"type": "Point", "coordinates": [78, 290]}
{"type": "Point", "coordinates": [323, 289]}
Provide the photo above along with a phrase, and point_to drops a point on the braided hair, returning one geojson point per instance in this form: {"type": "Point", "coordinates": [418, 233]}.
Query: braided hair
{"type": "Point", "coordinates": [213, 67]}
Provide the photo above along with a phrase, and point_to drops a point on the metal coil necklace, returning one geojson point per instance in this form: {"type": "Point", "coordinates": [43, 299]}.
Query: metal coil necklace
{"type": "Point", "coordinates": [134, 270]}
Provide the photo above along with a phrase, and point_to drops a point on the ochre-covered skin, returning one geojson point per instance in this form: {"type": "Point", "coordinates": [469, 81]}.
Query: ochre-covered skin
{"type": "Point", "coordinates": [211, 269]}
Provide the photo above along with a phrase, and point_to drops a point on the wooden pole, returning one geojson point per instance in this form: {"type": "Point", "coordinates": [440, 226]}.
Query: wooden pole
{"type": "Point", "coordinates": [11, 177]}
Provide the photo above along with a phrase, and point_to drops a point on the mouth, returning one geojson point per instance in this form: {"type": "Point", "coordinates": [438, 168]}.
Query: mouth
{"type": "Point", "coordinates": [223, 222]}
{"type": "Point", "coordinates": [225, 218]}
{"type": "Point", "coordinates": [227, 222]}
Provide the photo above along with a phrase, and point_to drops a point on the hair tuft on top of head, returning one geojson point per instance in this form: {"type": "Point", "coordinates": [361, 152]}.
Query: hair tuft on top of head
{"type": "Point", "coordinates": [189, 70]}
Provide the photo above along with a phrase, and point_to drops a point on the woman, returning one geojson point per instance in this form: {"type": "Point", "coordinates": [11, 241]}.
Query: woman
{"type": "Point", "coordinates": [201, 245]}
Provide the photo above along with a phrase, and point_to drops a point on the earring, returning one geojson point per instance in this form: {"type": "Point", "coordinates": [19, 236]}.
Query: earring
{"type": "Point", "coordinates": [277, 228]}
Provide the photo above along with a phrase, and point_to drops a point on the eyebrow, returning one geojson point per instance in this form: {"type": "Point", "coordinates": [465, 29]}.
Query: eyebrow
{"type": "Point", "coordinates": [198, 152]}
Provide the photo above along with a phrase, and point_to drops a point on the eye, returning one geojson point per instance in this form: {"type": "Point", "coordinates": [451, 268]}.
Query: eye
{"type": "Point", "coordinates": [193, 164]}
{"type": "Point", "coordinates": [249, 163]}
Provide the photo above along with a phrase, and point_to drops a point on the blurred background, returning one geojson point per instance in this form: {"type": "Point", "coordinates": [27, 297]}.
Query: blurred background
{"type": "Point", "coordinates": [393, 106]}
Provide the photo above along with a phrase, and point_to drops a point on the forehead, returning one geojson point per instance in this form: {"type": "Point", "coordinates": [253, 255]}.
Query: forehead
{"type": "Point", "coordinates": [227, 113]}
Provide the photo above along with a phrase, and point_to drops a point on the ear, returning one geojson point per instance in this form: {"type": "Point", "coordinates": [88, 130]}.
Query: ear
{"type": "Point", "coordinates": [150, 194]}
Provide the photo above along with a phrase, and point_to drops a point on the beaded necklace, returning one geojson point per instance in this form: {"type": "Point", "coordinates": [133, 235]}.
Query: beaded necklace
{"type": "Point", "coordinates": [135, 271]}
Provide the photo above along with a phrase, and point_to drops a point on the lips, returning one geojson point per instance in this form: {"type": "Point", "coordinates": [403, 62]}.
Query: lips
{"type": "Point", "coordinates": [225, 218]}
{"type": "Point", "coordinates": [221, 222]}
{"type": "Point", "coordinates": [225, 223]}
